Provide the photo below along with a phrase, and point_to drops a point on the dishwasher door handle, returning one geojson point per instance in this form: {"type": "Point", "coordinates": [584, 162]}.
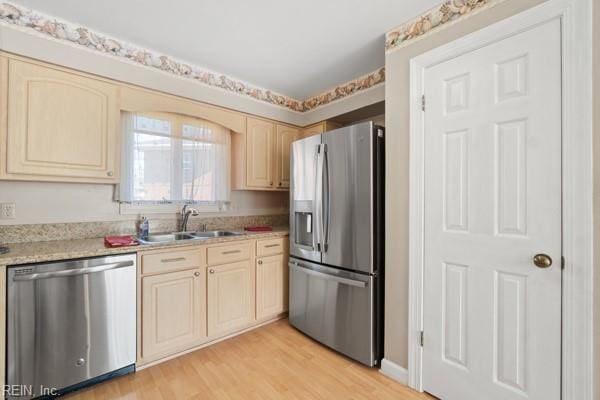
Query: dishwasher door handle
{"type": "Point", "coordinates": [72, 272]}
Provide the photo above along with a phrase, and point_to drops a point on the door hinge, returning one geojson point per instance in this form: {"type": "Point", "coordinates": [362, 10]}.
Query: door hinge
{"type": "Point", "coordinates": [422, 338]}
{"type": "Point", "coordinates": [423, 102]}
{"type": "Point", "coordinates": [562, 262]}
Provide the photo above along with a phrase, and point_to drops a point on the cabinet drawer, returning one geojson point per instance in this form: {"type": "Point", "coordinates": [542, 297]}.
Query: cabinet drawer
{"type": "Point", "coordinates": [173, 260]}
{"type": "Point", "coordinates": [267, 247]}
{"type": "Point", "coordinates": [229, 253]}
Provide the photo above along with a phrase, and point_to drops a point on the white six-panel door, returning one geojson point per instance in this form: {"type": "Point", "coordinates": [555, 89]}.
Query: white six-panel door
{"type": "Point", "coordinates": [492, 318]}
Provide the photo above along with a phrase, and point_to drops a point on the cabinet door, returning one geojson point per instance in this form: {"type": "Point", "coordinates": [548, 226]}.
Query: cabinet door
{"type": "Point", "coordinates": [230, 297]}
{"type": "Point", "coordinates": [285, 136]}
{"type": "Point", "coordinates": [271, 285]}
{"type": "Point", "coordinates": [173, 312]}
{"type": "Point", "coordinates": [313, 130]}
{"type": "Point", "coordinates": [61, 126]}
{"type": "Point", "coordinates": [260, 149]}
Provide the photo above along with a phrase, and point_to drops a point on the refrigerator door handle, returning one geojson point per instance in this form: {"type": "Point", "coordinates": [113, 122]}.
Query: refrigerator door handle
{"type": "Point", "coordinates": [326, 199]}
{"type": "Point", "coordinates": [345, 281]}
{"type": "Point", "coordinates": [318, 199]}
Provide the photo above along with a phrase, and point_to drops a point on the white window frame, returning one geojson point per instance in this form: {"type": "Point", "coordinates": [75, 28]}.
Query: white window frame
{"type": "Point", "coordinates": [169, 207]}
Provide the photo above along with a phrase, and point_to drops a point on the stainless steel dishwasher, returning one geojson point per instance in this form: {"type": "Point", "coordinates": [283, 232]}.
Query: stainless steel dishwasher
{"type": "Point", "coordinates": [70, 324]}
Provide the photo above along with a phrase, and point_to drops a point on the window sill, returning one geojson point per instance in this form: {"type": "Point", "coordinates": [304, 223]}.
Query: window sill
{"type": "Point", "coordinates": [135, 209]}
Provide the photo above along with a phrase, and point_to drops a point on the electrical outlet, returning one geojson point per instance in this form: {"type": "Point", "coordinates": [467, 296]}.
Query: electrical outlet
{"type": "Point", "coordinates": [8, 211]}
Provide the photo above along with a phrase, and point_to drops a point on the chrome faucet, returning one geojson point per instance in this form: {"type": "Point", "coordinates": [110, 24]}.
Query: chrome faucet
{"type": "Point", "coordinates": [186, 211]}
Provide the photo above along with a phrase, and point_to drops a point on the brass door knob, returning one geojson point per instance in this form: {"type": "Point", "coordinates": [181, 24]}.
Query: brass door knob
{"type": "Point", "coordinates": [542, 260]}
{"type": "Point", "coordinates": [260, 262]}
{"type": "Point", "coordinates": [196, 273]}
{"type": "Point", "coordinates": [212, 271]}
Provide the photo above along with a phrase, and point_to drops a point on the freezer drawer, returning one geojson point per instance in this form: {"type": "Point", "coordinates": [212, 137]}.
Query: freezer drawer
{"type": "Point", "coordinates": [334, 307]}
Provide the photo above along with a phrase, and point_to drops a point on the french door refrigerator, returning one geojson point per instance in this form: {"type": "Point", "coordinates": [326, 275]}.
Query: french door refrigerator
{"type": "Point", "coordinates": [337, 240]}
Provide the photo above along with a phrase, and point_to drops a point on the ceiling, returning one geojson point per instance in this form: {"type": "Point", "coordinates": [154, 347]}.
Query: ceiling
{"type": "Point", "coordinates": [296, 48]}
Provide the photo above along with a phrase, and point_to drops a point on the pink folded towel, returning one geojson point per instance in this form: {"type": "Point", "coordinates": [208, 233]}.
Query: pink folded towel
{"type": "Point", "coordinates": [120, 241]}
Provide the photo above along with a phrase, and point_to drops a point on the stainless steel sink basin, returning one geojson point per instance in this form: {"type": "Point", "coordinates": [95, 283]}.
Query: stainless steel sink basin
{"type": "Point", "coordinates": [214, 234]}
{"type": "Point", "coordinates": [174, 237]}
{"type": "Point", "coordinates": [166, 238]}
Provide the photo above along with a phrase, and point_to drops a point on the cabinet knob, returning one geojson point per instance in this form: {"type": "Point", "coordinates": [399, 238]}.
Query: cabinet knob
{"type": "Point", "coordinates": [212, 271]}
{"type": "Point", "coordinates": [260, 262]}
{"type": "Point", "coordinates": [196, 273]}
{"type": "Point", "coordinates": [271, 183]}
{"type": "Point", "coordinates": [109, 173]}
{"type": "Point", "coordinates": [279, 184]}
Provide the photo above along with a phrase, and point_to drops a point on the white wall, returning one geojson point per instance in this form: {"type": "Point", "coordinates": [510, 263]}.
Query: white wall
{"type": "Point", "coordinates": [377, 120]}
{"type": "Point", "coordinates": [39, 202]}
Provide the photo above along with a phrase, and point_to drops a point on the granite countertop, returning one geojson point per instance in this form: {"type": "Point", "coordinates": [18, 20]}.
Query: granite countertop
{"type": "Point", "coordinates": [33, 252]}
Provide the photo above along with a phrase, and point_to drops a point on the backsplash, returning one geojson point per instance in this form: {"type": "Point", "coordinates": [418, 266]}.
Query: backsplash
{"type": "Point", "coordinates": [88, 230]}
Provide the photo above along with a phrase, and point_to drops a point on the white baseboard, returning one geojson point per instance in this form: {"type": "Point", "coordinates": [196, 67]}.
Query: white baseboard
{"type": "Point", "coordinates": [394, 371]}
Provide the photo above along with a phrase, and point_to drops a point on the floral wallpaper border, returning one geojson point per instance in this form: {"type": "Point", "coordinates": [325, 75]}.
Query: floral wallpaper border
{"type": "Point", "coordinates": [364, 82]}
{"type": "Point", "coordinates": [62, 30]}
{"type": "Point", "coordinates": [446, 12]}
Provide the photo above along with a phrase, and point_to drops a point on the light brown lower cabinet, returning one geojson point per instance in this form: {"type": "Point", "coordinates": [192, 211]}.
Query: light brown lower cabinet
{"type": "Point", "coordinates": [173, 312]}
{"type": "Point", "coordinates": [271, 286]}
{"type": "Point", "coordinates": [230, 297]}
{"type": "Point", "coordinates": [189, 297]}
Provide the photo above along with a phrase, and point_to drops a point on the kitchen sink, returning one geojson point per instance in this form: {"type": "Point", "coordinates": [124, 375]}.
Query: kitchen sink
{"type": "Point", "coordinates": [214, 234]}
{"type": "Point", "coordinates": [166, 238]}
{"type": "Point", "coordinates": [174, 237]}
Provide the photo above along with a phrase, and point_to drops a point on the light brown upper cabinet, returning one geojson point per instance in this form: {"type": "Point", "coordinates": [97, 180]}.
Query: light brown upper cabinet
{"type": "Point", "coordinates": [285, 136]}
{"type": "Point", "coordinates": [260, 152]}
{"type": "Point", "coordinates": [266, 150]}
{"type": "Point", "coordinates": [62, 126]}
{"type": "Point", "coordinates": [319, 128]}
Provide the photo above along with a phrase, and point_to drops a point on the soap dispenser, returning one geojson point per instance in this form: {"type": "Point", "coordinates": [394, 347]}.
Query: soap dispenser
{"type": "Point", "coordinates": [143, 228]}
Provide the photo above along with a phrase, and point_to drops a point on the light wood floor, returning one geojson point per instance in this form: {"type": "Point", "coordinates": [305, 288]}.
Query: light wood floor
{"type": "Point", "coordinates": [271, 362]}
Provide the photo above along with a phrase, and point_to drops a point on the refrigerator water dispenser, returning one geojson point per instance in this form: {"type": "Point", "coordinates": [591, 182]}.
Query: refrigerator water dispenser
{"type": "Point", "coordinates": [304, 228]}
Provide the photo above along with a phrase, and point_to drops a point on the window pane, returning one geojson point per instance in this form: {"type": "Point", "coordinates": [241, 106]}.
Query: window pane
{"type": "Point", "coordinates": [190, 166]}
{"type": "Point", "coordinates": [198, 171]}
{"type": "Point", "coordinates": [152, 162]}
{"type": "Point", "coordinates": [148, 124]}
{"type": "Point", "coordinates": [197, 132]}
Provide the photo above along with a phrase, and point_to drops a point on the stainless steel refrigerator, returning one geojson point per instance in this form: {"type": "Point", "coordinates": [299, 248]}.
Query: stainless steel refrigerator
{"type": "Point", "coordinates": [337, 240]}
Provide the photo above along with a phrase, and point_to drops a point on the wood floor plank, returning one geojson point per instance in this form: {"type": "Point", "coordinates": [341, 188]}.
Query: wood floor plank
{"type": "Point", "coordinates": [272, 362]}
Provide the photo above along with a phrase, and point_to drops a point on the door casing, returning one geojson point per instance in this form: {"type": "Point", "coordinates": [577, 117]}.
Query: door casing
{"type": "Point", "coordinates": [577, 212]}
